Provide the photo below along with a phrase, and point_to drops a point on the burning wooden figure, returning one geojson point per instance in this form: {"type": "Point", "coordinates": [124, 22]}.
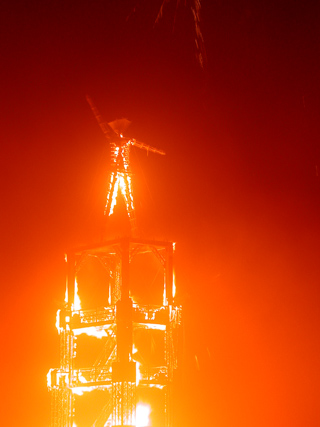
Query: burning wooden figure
{"type": "Point", "coordinates": [120, 173]}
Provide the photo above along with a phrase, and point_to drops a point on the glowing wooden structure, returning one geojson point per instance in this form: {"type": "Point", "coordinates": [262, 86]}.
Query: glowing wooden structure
{"type": "Point", "coordinates": [116, 370]}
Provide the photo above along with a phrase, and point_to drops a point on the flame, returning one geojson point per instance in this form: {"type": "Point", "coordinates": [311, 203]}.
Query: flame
{"type": "Point", "coordinates": [110, 293]}
{"type": "Point", "coordinates": [115, 192]}
{"type": "Point", "coordinates": [142, 415]}
{"type": "Point", "coordinates": [80, 390]}
{"type": "Point", "coordinates": [49, 378]}
{"type": "Point", "coordinates": [81, 378]}
{"type": "Point", "coordinates": [66, 295]}
{"type": "Point", "coordinates": [164, 302]}
{"type": "Point", "coordinates": [76, 306]}
{"type": "Point", "coordinates": [174, 284]}
{"type": "Point", "coordinates": [122, 182]}
{"type": "Point", "coordinates": [138, 373]}
{"type": "Point", "coordinates": [135, 303]}
{"type": "Point", "coordinates": [155, 326]}
{"type": "Point", "coordinates": [138, 364]}
{"type": "Point", "coordinates": [91, 331]}
{"type": "Point", "coordinates": [58, 321]}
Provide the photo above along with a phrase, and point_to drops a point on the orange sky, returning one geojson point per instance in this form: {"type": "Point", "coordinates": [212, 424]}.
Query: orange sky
{"type": "Point", "coordinates": [238, 190]}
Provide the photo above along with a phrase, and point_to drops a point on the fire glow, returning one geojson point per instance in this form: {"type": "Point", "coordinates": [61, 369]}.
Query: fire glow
{"type": "Point", "coordinates": [143, 415]}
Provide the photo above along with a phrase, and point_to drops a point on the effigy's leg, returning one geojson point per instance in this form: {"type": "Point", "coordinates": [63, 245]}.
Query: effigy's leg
{"type": "Point", "coordinates": [126, 191]}
{"type": "Point", "coordinates": [112, 193]}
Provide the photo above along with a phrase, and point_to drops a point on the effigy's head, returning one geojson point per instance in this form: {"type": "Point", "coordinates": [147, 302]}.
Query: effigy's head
{"type": "Point", "coordinates": [119, 126]}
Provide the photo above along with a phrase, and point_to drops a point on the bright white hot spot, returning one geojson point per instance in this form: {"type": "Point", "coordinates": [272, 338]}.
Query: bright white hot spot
{"type": "Point", "coordinates": [142, 415]}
